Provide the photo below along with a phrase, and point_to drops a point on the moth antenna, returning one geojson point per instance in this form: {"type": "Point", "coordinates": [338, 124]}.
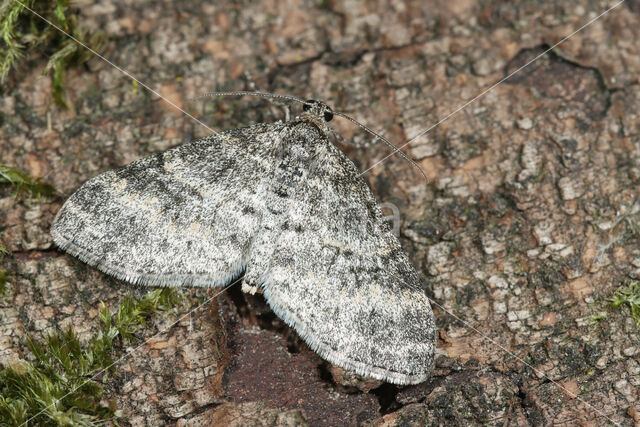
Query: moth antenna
{"type": "Point", "coordinates": [385, 140]}
{"type": "Point", "coordinates": [253, 93]}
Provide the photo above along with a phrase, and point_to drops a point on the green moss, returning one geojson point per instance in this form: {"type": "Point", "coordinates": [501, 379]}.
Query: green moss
{"type": "Point", "coordinates": [597, 317]}
{"type": "Point", "coordinates": [628, 296]}
{"type": "Point", "coordinates": [21, 30]}
{"type": "Point", "coordinates": [23, 182]}
{"type": "Point", "coordinates": [133, 313]}
{"type": "Point", "coordinates": [57, 387]}
{"type": "Point", "coordinates": [3, 282]}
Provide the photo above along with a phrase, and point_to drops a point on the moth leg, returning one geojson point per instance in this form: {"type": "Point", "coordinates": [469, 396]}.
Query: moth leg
{"type": "Point", "coordinates": [249, 289]}
{"type": "Point", "coordinates": [251, 85]}
{"type": "Point", "coordinates": [250, 283]}
{"type": "Point", "coordinates": [285, 107]}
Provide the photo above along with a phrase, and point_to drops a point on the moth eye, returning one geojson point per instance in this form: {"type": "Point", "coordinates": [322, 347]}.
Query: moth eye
{"type": "Point", "coordinates": [328, 115]}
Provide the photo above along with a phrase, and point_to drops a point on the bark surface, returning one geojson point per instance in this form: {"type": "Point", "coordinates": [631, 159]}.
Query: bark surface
{"type": "Point", "coordinates": [528, 224]}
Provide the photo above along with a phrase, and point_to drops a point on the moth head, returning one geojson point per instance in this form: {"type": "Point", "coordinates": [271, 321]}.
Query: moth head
{"type": "Point", "coordinates": [319, 109]}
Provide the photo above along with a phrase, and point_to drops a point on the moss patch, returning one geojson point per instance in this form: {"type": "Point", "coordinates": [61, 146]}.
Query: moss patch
{"type": "Point", "coordinates": [22, 182]}
{"type": "Point", "coordinates": [21, 30]}
{"type": "Point", "coordinates": [58, 386]}
{"type": "Point", "coordinates": [3, 281]}
{"type": "Point", "coordinates": [628, 296]}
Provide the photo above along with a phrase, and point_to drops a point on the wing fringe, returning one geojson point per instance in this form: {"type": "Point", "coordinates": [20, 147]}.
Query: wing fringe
{"type": "Point", "coordinates": [165, 280]}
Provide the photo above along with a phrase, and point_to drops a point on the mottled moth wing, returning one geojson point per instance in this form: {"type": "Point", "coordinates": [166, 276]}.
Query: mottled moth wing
{"type": "Point", "coordinates": [178, 218]}
{"type": "Point", "coordinates": [283, 203]}
{"type": "Point", "coordinates": [333, 270]}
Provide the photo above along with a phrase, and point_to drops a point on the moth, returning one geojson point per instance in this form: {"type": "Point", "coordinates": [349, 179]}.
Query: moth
{"type": "Point", "coordinates": [282, 204]}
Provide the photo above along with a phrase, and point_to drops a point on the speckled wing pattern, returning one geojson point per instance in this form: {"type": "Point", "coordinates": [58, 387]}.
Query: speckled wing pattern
{"type": "Point", "coordinates": [283, 204]}
{"type": "Point", "coordinates": [184, 217]}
